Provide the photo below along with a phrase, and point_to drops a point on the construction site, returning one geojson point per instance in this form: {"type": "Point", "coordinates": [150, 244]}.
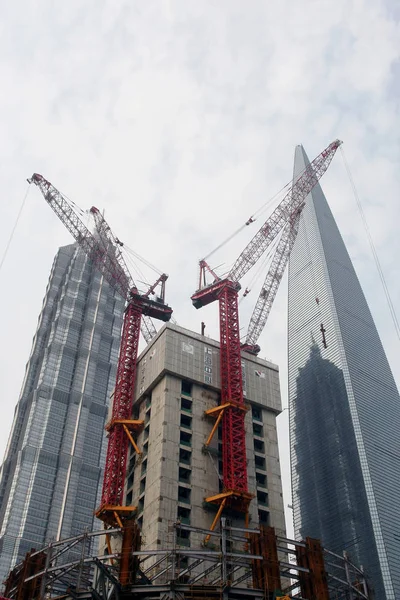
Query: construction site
{"type": "Point", "coordinates": [191, 504]}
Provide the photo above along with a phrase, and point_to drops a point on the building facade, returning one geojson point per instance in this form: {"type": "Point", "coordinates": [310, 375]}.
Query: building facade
{"type": "Point", "coordinates": [344, 405]}
{"type": "Point", "coordinates": [53, 463]}
{"type": "Point", "coordinates": [177, 381]}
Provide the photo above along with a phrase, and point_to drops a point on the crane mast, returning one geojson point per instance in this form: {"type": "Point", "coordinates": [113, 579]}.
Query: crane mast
{"type": "Point", "coordinates": [232, 408]}
{"type": "Point", "coordinates": [103, 249]}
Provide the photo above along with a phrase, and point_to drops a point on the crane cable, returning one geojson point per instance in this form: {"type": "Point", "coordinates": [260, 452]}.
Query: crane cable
{"type": "Point", "coordinates": [252, 219]}
{"type": "Point", "coordinates": [14, 228]}
{"type": "Point", "coordinates": [143, 260]}
{"type": "Point", "coordinates": [261, 267]}
{"type": "Point", "coordinates": [373, 249]}
{"type": "Point", "coordinates": [267, 205]}
{"type": "Point", "coordinates": [135, 269]}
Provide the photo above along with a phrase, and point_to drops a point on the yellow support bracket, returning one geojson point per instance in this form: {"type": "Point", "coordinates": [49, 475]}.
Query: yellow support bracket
{"type": "Point", "coordinates": [108, 541]}
{"type": "Point", "coordinates": [132, 424]}
{"type": "Point", "coordinates": [211, 412]}
{"type": "Point", "coordinates": [112, 515]}
{"type": "Point", "coordinates": [117, 518]}
{"type": "Point", "coordinates": [132, 441]}
{"type": "Point", "coordinates": [216, 519]}
{"type": "Point", "coordinates": [214, 429]}
{"type": "Point", "coordinates": [218, 412]}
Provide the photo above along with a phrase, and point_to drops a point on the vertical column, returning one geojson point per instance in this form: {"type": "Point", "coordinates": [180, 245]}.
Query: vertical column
{"type": "Point", "coordinates": [313, 583]}
{"type": "Point", "coordinates": [117, 450]}
{"type": "Point", "coordinates": [233, 431]}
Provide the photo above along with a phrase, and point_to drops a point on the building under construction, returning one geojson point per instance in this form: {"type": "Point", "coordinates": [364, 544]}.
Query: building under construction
{"type": "Point", "coordinates": [173, 547]}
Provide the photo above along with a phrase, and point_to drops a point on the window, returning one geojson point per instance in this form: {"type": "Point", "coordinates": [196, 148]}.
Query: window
{"type": "Point", "coordinates": [142, 485]}
{"type": "Point", "coordinates": [258, 429]}
{"type": "Point", "coordinates": [183, 537]}
{"type": "Point", "coordinates": [263, 517]}
{"type": "Point", "coordinates": [259, 446]}
{"type": "Point", "coordinates": [262, 498]}
{"type": "Point", "coordinates": [184, 515]}
{"type": "Point", "coordinates": [147, 416]}
{"type": "Point", "coordinates": [141, 504]}
{"type": "Point", "coordinates": [260, 462]}
{"type": "Point", "coordinates": [130, 480]}
{"type": "Point", "coordinates": [132, 460]}
{"type": "Point", "coordinates": [185, 438]}
{"type": "Point", "coordinates": [129, 498]}
{"type": "Point", "coordinates": [186, 422]}
{"type": "Point", "coordinates": [186, 388]}
{"type": "Point", "coordinates": [146, 431]}
{"type": "Point", "coordinates": [261, 479]}
{"type": "Point", "coordinates": [186, 405]}
{"type": "Point", "coordinates": [144, 467]}
{"type": "Point", "coordinates": [256, 413]}
{"type": "Point", "coordinates": [185, 456]}
{"type": "Point", "coordinates": [184, 475]}
{"type": "Point", "coordinates": [183, 495]}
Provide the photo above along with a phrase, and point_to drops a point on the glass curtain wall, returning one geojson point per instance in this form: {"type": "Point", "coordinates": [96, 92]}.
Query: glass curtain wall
{"type": "Point", "coordinates": [344, 405]}
{"type": "Point", "coordinates": [52, 469]}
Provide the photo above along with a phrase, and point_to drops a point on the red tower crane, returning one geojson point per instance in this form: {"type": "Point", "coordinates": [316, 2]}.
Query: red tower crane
{"type": "Point", "coordinates": [232, 408]}
{"type": "Point", "coordinates": [104, 250]}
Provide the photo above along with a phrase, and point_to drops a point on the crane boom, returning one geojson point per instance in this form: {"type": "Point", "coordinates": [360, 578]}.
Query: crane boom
{"type": "Point", "coordinates": [94, 249]}
{"type": "Point", "coordinates": [118, 265]}
{"type": "Point", "coordinates": [271, 285]}
{"type": "Point", "coordinates": [102, 249]}
{"type": "Point", "coordinates": [283, 212]}
{"type": "Point", "coordinates": [231, 410]}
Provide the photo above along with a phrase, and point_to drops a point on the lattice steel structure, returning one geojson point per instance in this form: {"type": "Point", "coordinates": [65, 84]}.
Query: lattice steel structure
{"type": "Point", "coordinates": [241, 564]}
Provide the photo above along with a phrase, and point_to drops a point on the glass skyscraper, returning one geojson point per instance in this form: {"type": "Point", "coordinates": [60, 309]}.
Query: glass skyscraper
{"type": "Point", "coordinates": [344, 405]}
{"type": "Point", "coordinates": [52, 469]}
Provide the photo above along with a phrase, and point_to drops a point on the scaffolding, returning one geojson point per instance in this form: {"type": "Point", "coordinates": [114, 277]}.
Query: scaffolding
{"type": "Point", "coordinates": [240, 563]}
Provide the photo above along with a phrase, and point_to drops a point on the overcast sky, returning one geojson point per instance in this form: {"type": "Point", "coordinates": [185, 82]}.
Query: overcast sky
{"type": "Point", "coordinates": [180, 119]}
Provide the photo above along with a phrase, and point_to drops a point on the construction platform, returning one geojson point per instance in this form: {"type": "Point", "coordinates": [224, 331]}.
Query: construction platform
{"type": "Point", "coordinates": [265, 567]}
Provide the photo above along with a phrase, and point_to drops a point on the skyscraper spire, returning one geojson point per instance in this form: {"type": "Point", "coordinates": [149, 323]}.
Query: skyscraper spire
{"type": "Point", "coordinates": [344, 409]}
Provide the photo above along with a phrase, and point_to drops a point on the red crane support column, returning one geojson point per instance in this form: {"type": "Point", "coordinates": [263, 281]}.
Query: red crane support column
{"type": "Point", "coordinates": [232, 409]}
{"type": "Point", "coordinates": [117, 450]}
{"type": "Point", "coordinates": [233, 430]}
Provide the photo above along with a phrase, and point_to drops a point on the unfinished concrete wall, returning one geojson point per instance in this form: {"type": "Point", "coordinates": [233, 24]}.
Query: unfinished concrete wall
{"type": "Point", "coordinates": [178, 380]}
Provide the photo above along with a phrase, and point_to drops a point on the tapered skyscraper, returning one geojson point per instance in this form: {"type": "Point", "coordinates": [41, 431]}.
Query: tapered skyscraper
{"type": "Point", "coordinates": [53, 464]}
{"type": "Point", "coordinates": [344, 405]}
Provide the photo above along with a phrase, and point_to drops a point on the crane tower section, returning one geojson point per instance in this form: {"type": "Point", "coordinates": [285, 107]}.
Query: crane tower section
{"type": "Point", "coordinates": [104, 249]}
